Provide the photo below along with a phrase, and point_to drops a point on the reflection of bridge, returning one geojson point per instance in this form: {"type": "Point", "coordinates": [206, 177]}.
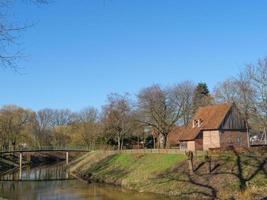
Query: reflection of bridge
{"type": "Point", "coordinates": [21, 152]}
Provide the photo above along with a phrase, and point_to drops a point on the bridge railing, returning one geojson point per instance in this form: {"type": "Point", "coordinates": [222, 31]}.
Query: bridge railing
{"type": "Point", "coordinates": [46, 148]}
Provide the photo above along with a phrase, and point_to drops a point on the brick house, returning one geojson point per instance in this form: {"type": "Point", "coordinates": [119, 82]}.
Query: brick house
{"type": "Point", "coordinates": [213, 126]}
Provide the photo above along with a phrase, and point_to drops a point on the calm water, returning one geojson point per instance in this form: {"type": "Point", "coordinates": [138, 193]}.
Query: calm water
{"type": "Point", "coordinates": [54, 183]}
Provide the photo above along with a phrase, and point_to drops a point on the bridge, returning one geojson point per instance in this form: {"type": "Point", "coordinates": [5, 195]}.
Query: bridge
{"type": "Point", "coordinates": [42, 150]}
{"type": "Point", "coordinates": [26, 151]}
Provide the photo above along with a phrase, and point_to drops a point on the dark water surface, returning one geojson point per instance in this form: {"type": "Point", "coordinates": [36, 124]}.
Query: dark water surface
{"type": "Point", "coordinates": [45, 183]}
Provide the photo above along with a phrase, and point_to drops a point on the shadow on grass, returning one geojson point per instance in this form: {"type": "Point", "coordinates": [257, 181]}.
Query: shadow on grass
{"type": "Point", "coordinates": [114, 174]}
{"type": "Point", "coordinates": [102, 164]}
{"type": "Point", "coordinates": [238, 168]}
{"type": "Point", "coordinates": [258, 163]}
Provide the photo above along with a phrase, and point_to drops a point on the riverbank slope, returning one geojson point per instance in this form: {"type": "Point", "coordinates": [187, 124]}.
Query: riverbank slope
{"type": "Point", "coordinates": [233, 175]}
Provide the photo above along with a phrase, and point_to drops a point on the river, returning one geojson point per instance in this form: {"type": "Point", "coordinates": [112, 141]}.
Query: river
{"type": "Point", "coordinates": [52, 182]}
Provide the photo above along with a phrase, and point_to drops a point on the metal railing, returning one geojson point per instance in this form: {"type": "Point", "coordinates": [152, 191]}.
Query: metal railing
{"type": "Point", "coordinates": [43, 149]}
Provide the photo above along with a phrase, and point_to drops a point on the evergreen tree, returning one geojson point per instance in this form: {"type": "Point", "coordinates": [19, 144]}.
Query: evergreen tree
{"type": "Point", "coordinates": [201, 96]}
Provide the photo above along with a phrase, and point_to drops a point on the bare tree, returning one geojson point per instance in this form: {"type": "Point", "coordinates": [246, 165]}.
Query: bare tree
{"type": "Point", "coordinates": [87, 127]}
{"type": "Point", "coordinates": [238, 90]}
{"type": "Point", "coordinates": [89, 114]}
{"type": "Point", "coordinates": [186, 91]}
{"type": "Point", "coordinates": [8, 35]}
{"type": "Point", "coordinates": [257, 74]}
{"type": "Point", "coordinates": [246, 97]}
{"type": "Point", "coordinates": [160, 109]}
{"type": "Point", "coordinates": [44, 126]}
{"type": "Point", "coordinates": [12, 121]}
{"type": "Point", "coordinates": [61, 117]}
{"type": "Point", "coordinates": [44, 118]}
{"type": "Point", "coordinates": [226, 91]}
{"type": "Point", "coordinates": [48, 121]}
{"type": "Point", "coordinates": [61, 136]}
{"type": "Point", "coordinates": [117, 117]}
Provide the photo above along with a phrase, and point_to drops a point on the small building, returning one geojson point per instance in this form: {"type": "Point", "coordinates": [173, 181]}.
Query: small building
{"type": "Point", "coordinates": [213, 126]}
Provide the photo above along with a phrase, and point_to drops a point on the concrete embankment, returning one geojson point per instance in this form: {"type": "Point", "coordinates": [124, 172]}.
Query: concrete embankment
{"type": "Point", "coordinates": [228, 175]}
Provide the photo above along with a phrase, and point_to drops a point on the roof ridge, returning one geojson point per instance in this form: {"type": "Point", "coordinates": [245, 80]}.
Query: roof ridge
{"type": "Point", "coordinates": [216, 104]}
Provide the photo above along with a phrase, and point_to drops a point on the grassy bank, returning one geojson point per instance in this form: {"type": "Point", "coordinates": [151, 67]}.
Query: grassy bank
{"type": "Point", "coordinates": [233, 175]}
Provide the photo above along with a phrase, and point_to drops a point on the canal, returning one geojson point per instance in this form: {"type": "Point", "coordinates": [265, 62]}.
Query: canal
{"type": "Point", "coordinates": [53, 182]}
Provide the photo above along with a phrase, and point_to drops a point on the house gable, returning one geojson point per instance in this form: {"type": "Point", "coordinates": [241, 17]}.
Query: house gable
{"type": "Point", "coordinates": [215, 126]}
{"type": "Point", "coordinates": [233, 120]}
{"type": "Point", "coordinates": [206, 118]}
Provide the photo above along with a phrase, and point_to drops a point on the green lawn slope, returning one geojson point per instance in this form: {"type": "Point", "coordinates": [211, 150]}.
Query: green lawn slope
{"type": "Point", "coordinates": [232, 176]}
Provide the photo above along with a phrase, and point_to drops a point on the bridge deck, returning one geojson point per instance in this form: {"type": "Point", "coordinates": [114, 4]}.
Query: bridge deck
{"type": "Point", "coordinates": [44, 150]}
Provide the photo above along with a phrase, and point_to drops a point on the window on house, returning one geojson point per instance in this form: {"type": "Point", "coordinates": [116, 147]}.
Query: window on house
{"type": "Point", "coordinates": [183, 146]}
{"type": "Point", "coordinates": [197, 123]}
{"type": "Point", "coordinates": [194, 123]}
{"type": "Point", "coordinates": [200, 121]}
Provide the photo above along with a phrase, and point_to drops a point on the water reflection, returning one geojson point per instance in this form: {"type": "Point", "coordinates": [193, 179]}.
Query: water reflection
{"type": "Point", "coordinates": [71, 189]}
{"type": "Point", "coordinates": [45, 183]}
{"type": "Point", "coordinates": [40, 173]}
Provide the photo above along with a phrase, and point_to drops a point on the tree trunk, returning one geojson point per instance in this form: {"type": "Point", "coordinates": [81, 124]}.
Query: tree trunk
{"type": "Point", "coordinates": [154, 142]}
{"type": "Point", "coordinates": [247, 133]}
{"type": "Point", "coordinates": [265, 139]}
{"type": "Point", "coordinates": [14, 145]}
{"type": "Point", "coordinates": [119, 143]}
{"type": "Point", "coordinates": [163, 141]}
{"type": "Point", "coordinates": [122, 143]}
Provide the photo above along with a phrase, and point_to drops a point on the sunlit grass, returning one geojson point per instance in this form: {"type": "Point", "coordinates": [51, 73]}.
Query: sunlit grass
{"type": "Point", "coordinates": [168, 173]}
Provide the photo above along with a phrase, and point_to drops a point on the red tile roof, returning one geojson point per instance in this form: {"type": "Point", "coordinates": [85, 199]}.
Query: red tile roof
{"type": "Point", "coordinates": [175, 135]}
{"type": "Point", "coordinates": [211, 116]}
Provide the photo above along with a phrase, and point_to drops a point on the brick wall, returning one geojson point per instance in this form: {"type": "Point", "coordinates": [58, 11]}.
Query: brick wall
{"type": "Point", "coordinates": [191, 146]}
{"type": "Point", "coordinates": [199, 144]}
{"type": "Point", "coordinates": [211, 139]}
{"type": "Point", "coordinates": [233, 138]}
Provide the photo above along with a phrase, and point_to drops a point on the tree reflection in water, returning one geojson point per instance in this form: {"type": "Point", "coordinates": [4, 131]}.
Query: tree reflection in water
{"type": "Point", "coordinates": [46, 182]}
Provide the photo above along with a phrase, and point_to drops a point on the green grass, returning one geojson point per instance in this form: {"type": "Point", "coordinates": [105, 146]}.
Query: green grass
{"type": "Point", "coordinates": [136, 166]}
{"type": "Point", "coordinates": [168, 174]}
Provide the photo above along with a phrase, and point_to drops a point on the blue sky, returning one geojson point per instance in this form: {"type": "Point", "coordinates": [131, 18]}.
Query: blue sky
{"type": "Point", "coordinates": [79, 51]}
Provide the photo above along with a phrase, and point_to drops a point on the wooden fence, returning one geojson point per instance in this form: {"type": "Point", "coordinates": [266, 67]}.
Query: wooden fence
{"type": "Point", "coordinates": [155, 151]}
{"type": "Point", "coordinates": [158, 151]}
